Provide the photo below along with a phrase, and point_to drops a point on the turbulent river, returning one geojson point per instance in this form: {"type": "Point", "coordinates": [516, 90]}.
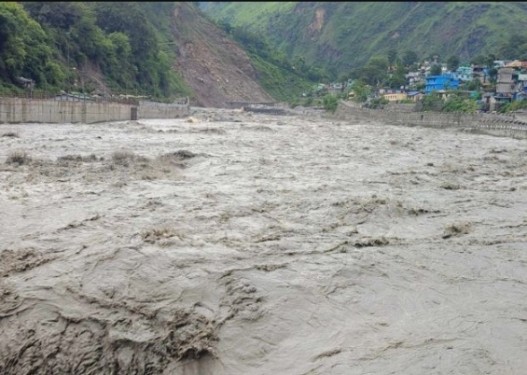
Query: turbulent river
{"type": "Point", "coordinates": [248, 243]}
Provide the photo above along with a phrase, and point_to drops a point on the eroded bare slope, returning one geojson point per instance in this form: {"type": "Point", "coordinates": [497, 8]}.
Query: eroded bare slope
{"type": "Point", "coordinates": [215, 67]}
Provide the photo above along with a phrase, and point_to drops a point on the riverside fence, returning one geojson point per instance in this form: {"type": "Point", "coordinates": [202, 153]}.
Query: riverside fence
{"type": "Point", "coordinates": [68, 110]}
{"type": "Point", "coordinates": [495, 124]}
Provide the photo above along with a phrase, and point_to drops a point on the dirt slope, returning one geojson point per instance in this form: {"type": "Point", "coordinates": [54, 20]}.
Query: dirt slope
{"type": "Point", "coordinates": [215, 67]}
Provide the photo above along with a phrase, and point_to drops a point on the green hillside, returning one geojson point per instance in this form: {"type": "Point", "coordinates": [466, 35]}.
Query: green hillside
{"type": "Point", "coordinates": [70, 45]}
{"type": "Point", "coordinates": [343, 35]}
{"type": "Point", "coordinates": [116, 47]}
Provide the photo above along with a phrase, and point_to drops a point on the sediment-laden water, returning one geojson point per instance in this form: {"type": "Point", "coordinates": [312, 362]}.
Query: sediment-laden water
{"type": "Point", "coordinates": [244, 243]}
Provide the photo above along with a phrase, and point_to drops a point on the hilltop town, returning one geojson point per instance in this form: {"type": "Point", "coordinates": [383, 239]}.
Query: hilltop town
{"type": "Point", "coordinates": [497, 85]}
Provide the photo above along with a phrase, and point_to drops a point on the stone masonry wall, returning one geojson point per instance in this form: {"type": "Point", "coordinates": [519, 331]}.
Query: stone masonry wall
{"type": "Point", "coordinates": [16, 110]}
{"type": "Point", "coordinates": [21, 110]}
{"type": "Point", "coordinates": [162, 110]}
{"type": "Point", "coordinates": [487, 123]}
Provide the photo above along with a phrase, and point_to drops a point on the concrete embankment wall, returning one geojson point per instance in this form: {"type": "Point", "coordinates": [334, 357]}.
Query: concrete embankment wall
{"type": "Point", "coordinates": [15, 110]}
{"type": "Point", "coordinates": [21, 110]}
{"type": "Point", "coordinates": [494, 124]}
{"type": "Point", "coordinates": [162, 110]}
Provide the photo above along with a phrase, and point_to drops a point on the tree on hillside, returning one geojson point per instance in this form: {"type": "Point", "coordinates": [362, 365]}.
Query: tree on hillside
{"type": "Point", "coordinates": [432, 102]}
{"type": "Point", "coordinates": [435, 70]}
{"type": "Point", "coordinates": [409, 58]}
{"type": "Point", "coordinates": [91, 39]}
{"type": "Point", "coordinates": [452, 63]}
{"type": "Point", "coordinates": [24, 48]}
{"type": "Point", "coordinates": [458, 103]}
{"type": "Point", "coordinates": [392, 56]}
{"type": "Point", "coordinates": [361, 91]}
{"type": "Point", "coordinates": [515, 47]}
{"type": "Point", "coordinates": [397, 78]}
{"type": "Point", "coordinates": [149, 64]}
{"type": "Point", "coordinates": [473, 85]}
{"type": "Point", "coordinates": [375, 71]}
{"type": "Point", "coordinates": [225, 25]}
{"type": "Point", "coordinates": [478, 60]}
{"type": "Point", "coordinates": [330, 102]}
{"type": "Point", "coordinates": [62, 15]}
{"type": "Point", "coordinates": [490, 60]}
{"type": "Point", "coordinates": [493, 75]}
{"type": "Point", "coordinates": [343, 77]}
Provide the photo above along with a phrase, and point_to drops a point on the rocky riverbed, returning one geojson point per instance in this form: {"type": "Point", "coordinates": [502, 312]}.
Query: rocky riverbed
{"type": "Point", "coordinates": [250, 243]}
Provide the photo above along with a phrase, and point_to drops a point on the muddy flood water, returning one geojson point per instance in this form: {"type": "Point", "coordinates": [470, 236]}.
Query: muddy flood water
{"type": "Point", "coordinates": [243, 243]}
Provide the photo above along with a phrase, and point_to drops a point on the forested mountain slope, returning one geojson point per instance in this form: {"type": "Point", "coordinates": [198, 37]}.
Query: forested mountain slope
{"type": "Point", "coordinates": [159, 49]}
{"type": "Point", "coordinates": [75, 45]}
{"type": "Point", "coordinates": [343, 35]}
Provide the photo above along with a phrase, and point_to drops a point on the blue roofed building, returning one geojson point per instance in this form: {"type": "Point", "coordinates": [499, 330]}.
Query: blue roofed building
{"type": "Point", "coordinates": [441, 83]}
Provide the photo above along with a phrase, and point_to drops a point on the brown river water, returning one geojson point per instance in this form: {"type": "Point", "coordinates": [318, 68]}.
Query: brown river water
{"type": "Point", "coordinates": [245, 243]}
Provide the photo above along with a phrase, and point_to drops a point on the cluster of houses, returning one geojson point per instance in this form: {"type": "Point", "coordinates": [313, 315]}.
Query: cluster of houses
{"type": "Point", "coordinates": [509, 84]}
{"type": "Point", "coordinates": [334, 88]}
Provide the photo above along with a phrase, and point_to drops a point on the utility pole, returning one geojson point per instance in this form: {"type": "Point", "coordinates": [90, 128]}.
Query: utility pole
{"type": "Point", "coordinates": [82, 80]}
{"type": "Point", "coordinates": [68, 58]}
